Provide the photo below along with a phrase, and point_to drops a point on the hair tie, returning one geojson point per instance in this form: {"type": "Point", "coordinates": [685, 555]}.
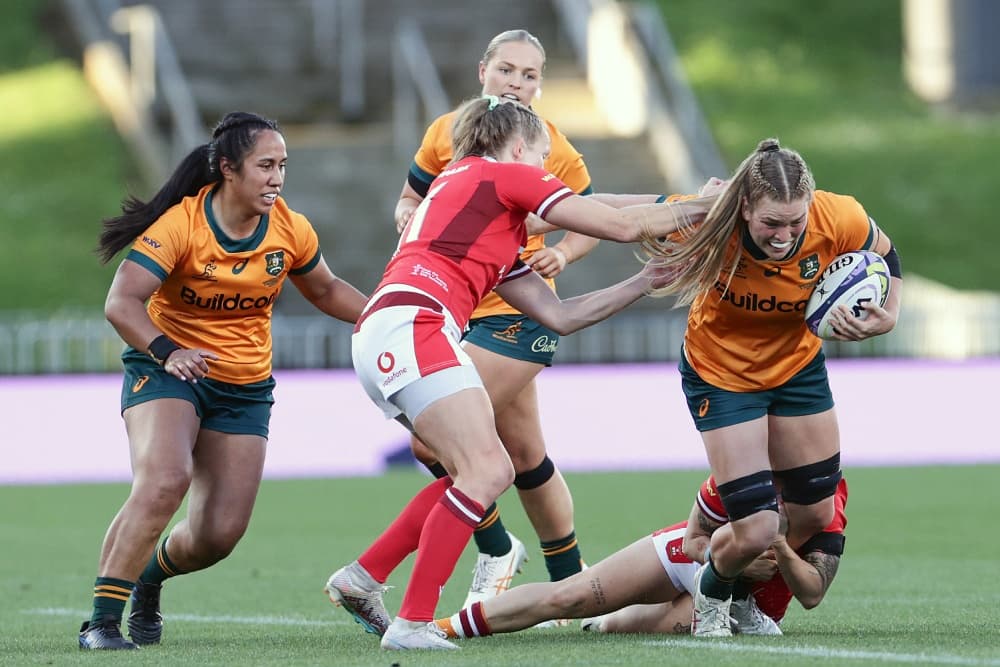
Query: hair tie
{"type": "Point", "coordinates": [494, 101]}
{"type": "Point", "coordinates": [771, 148]}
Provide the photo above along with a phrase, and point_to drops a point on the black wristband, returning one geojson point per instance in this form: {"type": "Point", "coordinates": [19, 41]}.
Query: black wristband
{"type": "Point", "coordinates": [161, 347]}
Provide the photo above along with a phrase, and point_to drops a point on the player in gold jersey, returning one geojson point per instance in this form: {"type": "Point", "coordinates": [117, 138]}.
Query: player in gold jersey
{"type": "Point", "coordinates": [754, 376]}
{"type": "Point", "coordinates": [509, 349]}
{"type": "Point", "coordinates": [210, 253]}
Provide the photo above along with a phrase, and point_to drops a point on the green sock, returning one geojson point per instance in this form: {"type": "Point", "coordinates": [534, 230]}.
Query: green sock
{"type": "Point", "coordinates": [742, 588]}
{"type": "Point", "coordinates": [714, 585]}
{"type": "Point", "coordinates": [491, 535]}
{"type": "Point", "coordinates": [160, 566]}
{"type": "Point", "coordinates": [110, 596]}
{"type": "Point", "coordinates": [562, 557]}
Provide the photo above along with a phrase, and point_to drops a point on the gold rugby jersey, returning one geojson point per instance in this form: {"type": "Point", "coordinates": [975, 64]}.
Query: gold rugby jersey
{"type": "Point", "coordinates": [753, 336]}
{"type": "Point", "coordinates": [564, 162]}
{"type": "Point", "coordinates": [218, 293]}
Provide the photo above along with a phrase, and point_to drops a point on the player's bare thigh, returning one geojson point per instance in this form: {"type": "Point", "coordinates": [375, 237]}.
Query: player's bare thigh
{"type": "Point", "coordinates": [738, 450]}
{"type": "Point", "coordinates": [460, 432]}
{"type": "Point", "coordinates": [799, 441]}
{"type": "Point", "coordinates": [227, 473]}
{"type": "Point", "coordinates": [161, 437]}
{"type": "Point", "coordinates": [503, 377]}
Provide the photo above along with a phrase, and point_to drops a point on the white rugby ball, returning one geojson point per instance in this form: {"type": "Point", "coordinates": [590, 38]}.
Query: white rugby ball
{"type": "Point", "coordinates": [852, 279]}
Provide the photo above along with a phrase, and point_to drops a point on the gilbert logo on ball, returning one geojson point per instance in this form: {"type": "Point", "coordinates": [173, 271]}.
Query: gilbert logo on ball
{"type": "Point", "coordinates": [852, 279]}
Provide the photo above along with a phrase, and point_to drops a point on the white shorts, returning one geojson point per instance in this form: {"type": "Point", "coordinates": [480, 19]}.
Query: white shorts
{"type": "Point", "coordinates": [405, 336]}
{"type": "Point", "coordinates": [669, 544]}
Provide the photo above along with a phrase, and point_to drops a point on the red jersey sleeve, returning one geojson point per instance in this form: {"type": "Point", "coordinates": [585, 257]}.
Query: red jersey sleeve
{"type": "Point", "coordinates": [530, 188]}
{"type": "Point", "coordinates": [710, 502]}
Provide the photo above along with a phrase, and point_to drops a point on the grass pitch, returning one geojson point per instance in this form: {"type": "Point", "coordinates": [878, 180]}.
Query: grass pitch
{"type": "Point", "coordinates": [919, 583]}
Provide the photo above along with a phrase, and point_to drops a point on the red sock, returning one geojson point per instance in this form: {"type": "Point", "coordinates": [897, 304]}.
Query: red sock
{"type": "Point", "coordinates": [402, 536]}
{"type": "Point", "coordinates": [446, 532]}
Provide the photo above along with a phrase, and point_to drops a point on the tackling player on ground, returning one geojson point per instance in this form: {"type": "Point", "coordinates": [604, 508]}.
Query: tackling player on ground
{"type": "Point", "coordinates": [645, 587]}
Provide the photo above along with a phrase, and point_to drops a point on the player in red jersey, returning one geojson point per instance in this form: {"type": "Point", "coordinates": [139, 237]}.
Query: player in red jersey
{"type": "Point", "coordinates": [508, 348]}
{"type": "Point", "coordinates": [209, 253]}
{"type": "Point", "coordinates": [645, 587]}
{"type": "Point", "coordinates": [754, 375]}
{"type": "Point", "coordinates": [462, 242]}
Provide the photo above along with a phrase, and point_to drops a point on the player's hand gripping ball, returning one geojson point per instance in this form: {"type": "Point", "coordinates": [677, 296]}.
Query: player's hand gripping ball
{"type": "Point", "coordinates": [852, 279]}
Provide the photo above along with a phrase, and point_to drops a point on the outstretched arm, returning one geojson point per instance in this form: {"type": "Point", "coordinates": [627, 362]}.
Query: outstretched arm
{"type": "Point", "coordinates": [551, 261]}
{"type": "Point", "coordinates": [589, 216]}
{"type": "Point", "coordinates": [531, 295]}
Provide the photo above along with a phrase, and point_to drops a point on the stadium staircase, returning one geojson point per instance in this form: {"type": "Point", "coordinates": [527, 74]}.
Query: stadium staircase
{"type": "Point", "coordinates": [346, 166]}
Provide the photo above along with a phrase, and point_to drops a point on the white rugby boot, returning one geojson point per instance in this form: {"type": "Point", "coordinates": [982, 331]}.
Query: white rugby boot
{"type": "Point", "coordinates": [710, 617]}
{"type": "Point", "coordinates": [493, 574]}
{"type": "Point", "coordinates": [352, 588]}
{"type": "Point", "coordinates": [748, 619]}
{"type": "Point", "coordinates": [404, 635]}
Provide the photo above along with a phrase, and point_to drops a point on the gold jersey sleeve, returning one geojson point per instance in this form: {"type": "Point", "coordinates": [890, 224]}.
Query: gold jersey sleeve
{"type": "Point", "coordinates": [752, 336]}
{"type": "Point", "coordinates": [218, 293]}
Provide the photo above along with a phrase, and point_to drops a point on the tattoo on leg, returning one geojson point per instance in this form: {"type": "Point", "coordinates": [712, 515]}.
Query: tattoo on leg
{"type": "Point", "coordinates": [599, 598]}
{"type": "Point", "coordinates": [682, 628]}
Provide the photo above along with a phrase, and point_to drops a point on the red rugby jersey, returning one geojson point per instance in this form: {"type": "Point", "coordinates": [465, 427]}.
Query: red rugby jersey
{"type": "Point", "coordinates": [464, 238]}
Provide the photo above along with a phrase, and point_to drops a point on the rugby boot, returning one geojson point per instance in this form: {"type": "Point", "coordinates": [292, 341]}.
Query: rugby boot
{"type": "Point", "coordinates": [145, 623]}
{"type": "Point", "coordinates": [105, 635]}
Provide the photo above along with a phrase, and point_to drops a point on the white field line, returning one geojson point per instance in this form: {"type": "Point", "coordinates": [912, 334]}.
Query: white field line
{"type": "Point", "coordinates": [829, 653]}
{"type": "Point", "coordinates": [704, 645]}
{"type": "Point", "coordinates": [202, 618]}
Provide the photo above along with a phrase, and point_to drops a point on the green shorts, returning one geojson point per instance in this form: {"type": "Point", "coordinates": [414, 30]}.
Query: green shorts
{"type": "Point", "coordinates": [514, 336]}
{"type": "Point", "coordinates": [223, 407]}
{"type": "Point", "coordinates": [806, 393]}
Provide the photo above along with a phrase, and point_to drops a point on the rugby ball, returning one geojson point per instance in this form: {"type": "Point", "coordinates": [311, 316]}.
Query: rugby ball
{"type": "Point", "coordinates": [852, 279]}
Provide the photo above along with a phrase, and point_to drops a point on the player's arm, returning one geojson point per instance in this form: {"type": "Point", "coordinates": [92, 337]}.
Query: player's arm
{"type": "Point", "coordinates": [125, 309]}
{"type": "Point", "coordinates": [884, 247]}
{"type": "Point", "coordinates": [589, 216]}
{"type": "Point", "coordinates": [409, 200]}
{"type": "Point", "coordinates": [698, 534]}
{"type": "Point", "coordinates": [549, 262]}
{"type": "Point", "coordinates": [808, 577]}
{"type": "Point", "coordinates": [530, 294]}
{"type": "Point", "coordinates": [332, 295]}
{"type": "Point", "coordinates": [880, 319]}
{"type": "Point", "coordinates": [536, 225]}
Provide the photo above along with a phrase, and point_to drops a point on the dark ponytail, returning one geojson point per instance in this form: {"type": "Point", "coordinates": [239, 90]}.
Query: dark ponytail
{"type": "Point", "coordinates": [233, 138]}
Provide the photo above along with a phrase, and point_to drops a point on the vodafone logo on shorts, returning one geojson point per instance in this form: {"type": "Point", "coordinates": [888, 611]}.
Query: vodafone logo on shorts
{"type": "Point", "coordinates": [386, 362]}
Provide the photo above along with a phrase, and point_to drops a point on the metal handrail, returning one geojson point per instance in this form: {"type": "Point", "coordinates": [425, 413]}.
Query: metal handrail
{"type": "Point", "coordinates": [153, 58]}
{"type": "Point", "coordinates": [416, 86]}
{"type": "Point", "coordinates": [679, 136]}
{"type": "Point", "coordinates": [648, 23]}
